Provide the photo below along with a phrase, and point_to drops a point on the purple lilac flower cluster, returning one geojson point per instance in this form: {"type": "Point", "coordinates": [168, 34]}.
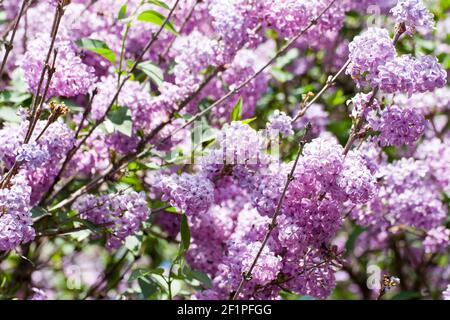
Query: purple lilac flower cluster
{"type": "Point", "coordinates": [398, 126]}
{"type": "Point", "coordinates": [280, 122]}
{"type": "Point", "coordinates": [374, 60]}
{"type": "Point", "coordinates": [71, 78]}
{"type": "Point", "coordinates": [414, 15]}
{"type": "Point", "coordinates": [408, 196]}
{"type": "Point", "coordinates": [15, 217]}
{"type": "Point", "coordinates": [39, 160]}
{"type": "Point", "coordinates": [446, 293]}
{"type": "Point", "coordinates": [123, 214]}
{"type": "Point", "coordinates": [310, 215]}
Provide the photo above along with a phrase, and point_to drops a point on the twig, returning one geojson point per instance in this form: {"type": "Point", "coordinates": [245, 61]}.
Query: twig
{"type": "Point", "coordinates": [279, 282]}
{"type": "Point", "coordinates": [9, 44]}
{"type": "Point", "coordinates": [12, 23]}
{"type": "Point", "coordinates": [74, 149]}
{"type": "Point", "coordinates": [68, 230]}
{"type": "Point", "coordinates": [155, 36]}
{"type": "Point", "coordinates": [331, 81]}
{"type": "Point", "coordinates": [130, 71]}
{"type": "Point", "coordinates": [358, 125]}
{"type": "Point", "coordinates": [115, 282]}
{"type": "Point", "coordinates": [355, 132]}
{"type": "Point", "coordinates": [36, 98]}
{"type": "Point", "coordinates": [246, 276]}
{"type": "Point", "coordinates": [107, 274]}
{"type": "Point", "coordinates": [124, 39]}
{"type": "Point", "coordinates": [50, 72]}
{"type": "Point", "coordinates": [4, 182]}
{"type": "Point", "coordinates": [180, 30]}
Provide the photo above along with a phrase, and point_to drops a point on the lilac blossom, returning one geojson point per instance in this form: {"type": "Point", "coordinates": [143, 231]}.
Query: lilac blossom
{"type": "Point", "coordinates": [72, 77]}
{"type": "Point", "coordinates": [280, 122]}
{"type": "Point", "coordinates": [368, 51]}
{"type": "Point", "coordinates": [122, 213]}
{"type": "Point", "coordinates": [398, 126]}
{"type": "Point", "coordinates": [414, 15]}
{"type": "Point", "coordinates": [437, 239]}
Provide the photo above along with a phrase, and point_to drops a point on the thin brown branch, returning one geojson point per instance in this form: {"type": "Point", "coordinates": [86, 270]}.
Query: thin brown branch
{"type": "Point", "coordinates": [74, 149]}
{"type": "Point", "coordinates": [10, 43]}
{"type": "Point", "coordinates": [355, 132]}
{"type": "Point", "coordinates": [331, 81]}
{"type": "Point", "coordinates": [11, 25]}
{"type": "Point", "coordinates": [163, 56]}
{"type": "Point", "coordinates": [246, 276]}
{"type": "Point", "coordinates": [106, 276]}
{"type": "Point", "coordinates": [59, 232]}
{"type": "Point", "coordinates": [45, 69]}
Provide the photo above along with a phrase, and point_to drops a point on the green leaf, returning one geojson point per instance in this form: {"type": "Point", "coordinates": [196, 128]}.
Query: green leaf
{"type": "Point", "coordinates": [281, 75]}
{"type": "Point", "coordinates": [142, 273]}
{"type": "Point", "coordinates": [153, 71]}
{"type": "Point", "coordinates": [236, 113]}
{"type": "Point", "coordinates": [198, 275]}
{"type": "Point", "coordinates": [152, 166]}
{"type": "Point", "coordinates": [91, 226]}
{"type": "Point", "coordinates": [208, 135]}
{"type": "Point", "coordinates": [134, 166]}
{"type": "Point", "coordinates": [277, 71]}
{"type": "Point", "coordinates": [172, 210]}
{"type": "Point", "coordinates": [185, 234]}
{"type": "Point", "coordinates": [18, 83]}
{"type": "Point", "coordinates": [148, 287]}
{"type": "Point", "coordinates": [97, 46]}
{"type": "Point", "coordinates": [287, 58]}
{"type": "Point", "coordinates": [340, 129]}
{"type": "Point", "coordinates": [160, 4]}
{"type": "Point", "coordinates": [442, 260]}
{"type": "Point", "coordinates": [249, 120]}
{"type": "Point", "coordinates": [133, 244]}
{"type": "Point", "coordinates": [37, 212]}
{"type": "Point", "coordinates": [157, 18]}
{"type": "Point", "coordinates": [406, 295]}
{"type": "Point", "coordinates": [159, 271]}
{"type": "Point", "coordinates": [120, 120]}
{"type": "Point", "coordinates": [338, 98]}
{"type": "Point", "coordinates": [13, 97]}
{"type": "Point", "coordinates": [138, 273]}
{"type": "Point", "coordinates": [9, 114]}
{"type": "Point", "coordinates": [132, 180]}
{"type": "Point", "coordinates": [122, 12]}
{"type": "Point", "coordinates": [3, 17]}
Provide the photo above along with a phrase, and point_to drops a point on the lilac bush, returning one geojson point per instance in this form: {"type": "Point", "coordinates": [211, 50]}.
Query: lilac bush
{"type": "Point", "coordinates": [224, 149]}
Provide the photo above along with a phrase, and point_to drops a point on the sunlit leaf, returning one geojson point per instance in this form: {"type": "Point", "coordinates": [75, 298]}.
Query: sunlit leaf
{"type": "Point", "coordinates": [97, 46]}
{"type": "Point", "coordinates": [120, 120]}
{"type": "Point", "coordinates": [185, 234]}
{"type": "Point", "coordinates": [153, 71]}
{"type": "Point", "coordinates": [159, 3]}
{"type": "Point", "coordinates": [122, 12]}
{"type": "Point", "coordinates": [157, 18]}
{"type": "Point", "coordinates": [236, 113]}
